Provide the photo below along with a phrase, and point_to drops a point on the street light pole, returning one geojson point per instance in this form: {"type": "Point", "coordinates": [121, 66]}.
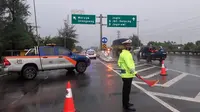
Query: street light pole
{"type": "Point", "coordinates": [36, 29]}
{"type": "Point", "coordinates": [138, 31]}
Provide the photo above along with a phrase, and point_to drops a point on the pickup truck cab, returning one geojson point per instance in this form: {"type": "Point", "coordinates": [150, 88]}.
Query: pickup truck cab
{"type": "Point", "coordinates": [44, 58]}
{"type": "Point", "coordinates": [145, 53]}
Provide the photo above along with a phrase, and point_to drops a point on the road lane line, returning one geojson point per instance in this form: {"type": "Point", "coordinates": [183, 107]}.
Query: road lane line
{"type": "Point", "coordinates": [183, 64]}
{"type": "Point", "coordinates": [148, 93]}
{"type": "Point", "coordinates": [177, 97]}
{"type": "Point", "coordinates": [180, 71]}
{"type": "Point", "coordinates": [198, 96]}
{"type": "Point", "coordinates": [151, 75]}
{"type": "Point", "coordinates": [138, 82]}
{"type": "Point", "coordinates": [174, 80]}
{"type": "Point", "coordinates": [140, 65]}
{"type": "Point", "coordinates": [3, 75]}
{"type": "Point", "coordinates": [145, 69]}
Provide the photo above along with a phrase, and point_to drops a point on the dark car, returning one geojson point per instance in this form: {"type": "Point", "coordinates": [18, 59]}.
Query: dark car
{"type": "Point", "coordinates": [151, 54]}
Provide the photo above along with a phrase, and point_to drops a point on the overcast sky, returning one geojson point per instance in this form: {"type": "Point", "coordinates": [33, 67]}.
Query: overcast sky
{"type": "Point", "coordinates": [160, 20]}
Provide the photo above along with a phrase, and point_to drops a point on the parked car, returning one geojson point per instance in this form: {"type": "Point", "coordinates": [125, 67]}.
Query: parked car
{"type": "Point", "coordinates": [42, 58]}
{"type": "Point", "coordinates": [144, 53]}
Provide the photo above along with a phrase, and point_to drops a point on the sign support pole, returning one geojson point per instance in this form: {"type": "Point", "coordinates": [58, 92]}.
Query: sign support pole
{"type": "Point", "coordinates": [101, 30]}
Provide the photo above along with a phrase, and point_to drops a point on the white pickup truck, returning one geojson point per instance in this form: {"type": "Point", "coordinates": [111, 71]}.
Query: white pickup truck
{"type": "Point", "coordinates": [44, 58]}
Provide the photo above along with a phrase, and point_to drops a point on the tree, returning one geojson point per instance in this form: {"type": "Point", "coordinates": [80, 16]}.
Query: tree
{"type": "Point", "coordinates": [189, 46]}
{"type": "Point", "coordinates": [79, 48]}
{"type": "Point", "coordinates": [15, 32]}
{"type": "Point", "coordinates": [68, 36]}
{"type": "Point", "coordinates": [197, 43]}
{"type": "Point", "coordinates": [135, 41]}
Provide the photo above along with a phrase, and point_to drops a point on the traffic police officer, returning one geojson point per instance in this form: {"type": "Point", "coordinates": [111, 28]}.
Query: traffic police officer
{"type": "Point", "coordinates": [127, 65]}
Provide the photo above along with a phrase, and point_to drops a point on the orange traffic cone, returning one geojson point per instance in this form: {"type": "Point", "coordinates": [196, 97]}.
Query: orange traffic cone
{"type": "Point", "coordinates": [69, 102]}
{"type": "Point", "coordinates": [163, 71]}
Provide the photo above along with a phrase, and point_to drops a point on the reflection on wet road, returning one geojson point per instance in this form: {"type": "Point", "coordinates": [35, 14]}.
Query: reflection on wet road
{"type": "Point", "coordinates": [99, 89]}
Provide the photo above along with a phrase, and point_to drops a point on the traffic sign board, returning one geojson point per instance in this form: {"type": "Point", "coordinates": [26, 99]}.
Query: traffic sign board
{"type": "Point", "coordinates": [104, 46]}
{"type": "Point", "coordinates": [83, 19]}
{"type": "Point", "coordinates": [121, 21]}
{"type": "Point", "coordinates": [104, 40]}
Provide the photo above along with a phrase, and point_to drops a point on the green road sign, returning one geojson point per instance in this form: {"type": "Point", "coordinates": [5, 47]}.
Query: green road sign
{"type": "Point", "coordinates": [83, 19]}
{"type": "Point", "coordinates": [121, 21]}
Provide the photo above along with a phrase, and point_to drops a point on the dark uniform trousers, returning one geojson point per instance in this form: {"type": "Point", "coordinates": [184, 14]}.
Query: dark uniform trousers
{"type": "Point", "coordinates": [127, 82]}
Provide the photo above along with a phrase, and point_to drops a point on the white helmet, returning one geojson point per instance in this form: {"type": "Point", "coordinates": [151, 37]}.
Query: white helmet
{"type": "Point", "coordinates": [129, 41]}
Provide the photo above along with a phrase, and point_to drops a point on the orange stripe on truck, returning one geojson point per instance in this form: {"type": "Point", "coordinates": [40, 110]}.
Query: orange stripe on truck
{"type": "Point", "coordinates": [27, 57]}
{"type": "Point", "coordinates": [70, 60]}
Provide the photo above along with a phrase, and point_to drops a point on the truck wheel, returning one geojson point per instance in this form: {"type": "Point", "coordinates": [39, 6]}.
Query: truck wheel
{"type": "Point", "coordinates": [81, 67]}
{"type": "Point", "coordinates": [29, 72]}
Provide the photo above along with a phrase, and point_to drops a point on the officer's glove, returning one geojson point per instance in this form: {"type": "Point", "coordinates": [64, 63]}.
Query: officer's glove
{"type": "Point", "coordinates": [132, 71]}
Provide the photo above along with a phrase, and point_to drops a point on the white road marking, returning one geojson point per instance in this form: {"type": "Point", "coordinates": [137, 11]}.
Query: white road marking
{"type": "Point", "coordinates": [3, 75]}
{"type": "Point", "coordinates": [198, 96]}
{"type": "Point", "coordinates": [181, 72]}
{"type": "Point", "coordinates": [145, 69]}
{"type": "Point", "coordinates": [151, 75]}
{"type": "Point", "coordinates": [174, 80]}
{"type": "Point", "coordinates": [182, 63]}
{"type": "Point", "coordinates": [148, 93]}
{"type": "Point", "coordinates": [138, 82]}
{"type": "Point", "coordinates": [175, 97]}
{"type": "Point", "coordinates": [140, 65]}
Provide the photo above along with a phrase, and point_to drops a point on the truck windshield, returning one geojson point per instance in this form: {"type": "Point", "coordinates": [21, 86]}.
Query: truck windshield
{"type": "Point", "coordinates": [91, 52]}
{"type": "Point", "coordinates": [31, 52]}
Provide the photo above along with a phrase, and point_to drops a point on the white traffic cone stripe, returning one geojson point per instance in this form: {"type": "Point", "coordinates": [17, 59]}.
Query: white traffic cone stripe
{"type": "Point", "coordinates": [163, 66]}
{"type": "Point", "coordinates": [69, 93]}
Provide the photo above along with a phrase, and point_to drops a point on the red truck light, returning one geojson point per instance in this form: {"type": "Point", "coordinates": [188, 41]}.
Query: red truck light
{"type": "Point", "coordinates": [6, 62]}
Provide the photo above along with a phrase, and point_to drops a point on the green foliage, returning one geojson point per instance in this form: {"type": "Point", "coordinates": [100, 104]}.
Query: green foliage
{"type": "Point", "coordinates": [189, 46]}
{"type": "Point", "coordinates": [170, 45]}
{"type": "Point", "coordinates": [17, 34]}
{"type": "Point", "coordinates": [68, 36]}
{"type": "Point", "coordinates": [79, 48]}
{"type": "Point", "coordinates": [136, 42]}
{"type": "Point", "coordinates": [13, 25]}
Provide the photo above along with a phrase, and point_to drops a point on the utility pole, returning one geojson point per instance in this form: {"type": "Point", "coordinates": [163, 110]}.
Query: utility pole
{"type": "Point", "coordinates": [37, 36]}
{"type": "Point", "coordinates": [101, 29]}
{"type": "Point", "coordinates": [118, 34]}
{"type": "Point", "coordinates": [138, 32]}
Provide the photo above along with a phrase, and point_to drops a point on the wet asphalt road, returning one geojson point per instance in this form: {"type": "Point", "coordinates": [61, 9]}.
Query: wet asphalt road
{"type": "Point", "coordinates": [99, 90]}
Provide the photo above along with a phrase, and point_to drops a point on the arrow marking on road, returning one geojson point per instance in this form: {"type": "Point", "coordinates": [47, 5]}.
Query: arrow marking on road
{"type": "Point", "coordinates": [174, 80]}
{"type": "Point", "coordinates": [175, 97]}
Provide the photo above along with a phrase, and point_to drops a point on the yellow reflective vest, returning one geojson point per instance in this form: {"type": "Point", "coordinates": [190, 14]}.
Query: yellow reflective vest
{"type": "Point", "coordinates": [126, 63]}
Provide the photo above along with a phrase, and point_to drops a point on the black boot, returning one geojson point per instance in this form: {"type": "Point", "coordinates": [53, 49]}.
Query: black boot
{"type": "Point", "coordinates": [129, 109]}
{"type": "Point", "coordinates": [130, 104]}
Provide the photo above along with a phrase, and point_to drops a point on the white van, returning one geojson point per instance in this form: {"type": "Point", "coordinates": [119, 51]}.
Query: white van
{"type": "Point", "coordinates": [91, 54]}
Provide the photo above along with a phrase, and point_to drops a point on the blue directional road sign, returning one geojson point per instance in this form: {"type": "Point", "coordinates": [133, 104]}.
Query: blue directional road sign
{"type": "Point", "coordinates": [104, 40]}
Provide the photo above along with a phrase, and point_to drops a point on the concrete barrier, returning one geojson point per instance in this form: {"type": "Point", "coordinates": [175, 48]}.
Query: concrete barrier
{"type": "Point", "coordinates": [103, 56]}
